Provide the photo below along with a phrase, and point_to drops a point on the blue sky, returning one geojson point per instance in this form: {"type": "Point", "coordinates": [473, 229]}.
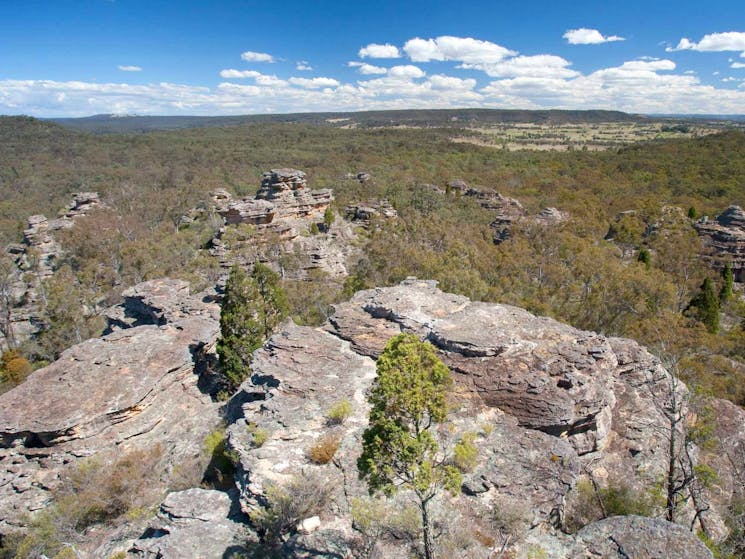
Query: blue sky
{"type": "Point", "coordinates": [83, 57]}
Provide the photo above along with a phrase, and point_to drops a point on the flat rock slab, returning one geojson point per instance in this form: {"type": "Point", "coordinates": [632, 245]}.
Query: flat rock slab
{"type": "Point", "coordinates": [134, 389]}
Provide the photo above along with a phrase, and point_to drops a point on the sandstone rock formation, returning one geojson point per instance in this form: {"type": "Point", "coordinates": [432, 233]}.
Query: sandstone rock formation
{"type": "Point", "coordinates": [193, 523]}
{"type": "Point", "coordinates": [35, 260]}
{"type": "Point", "coordinates": [363, 213]}
{"type": "Point", "coordinates": [622, 537]}
{"type": "Point", "coordinates": [548, 404]}
{"type": "Point", "coordinates": [726, 237]}
{"type": "Point", "coordinates": [277, 226]}
{"type": "Point", "coordinates": [136, 388]}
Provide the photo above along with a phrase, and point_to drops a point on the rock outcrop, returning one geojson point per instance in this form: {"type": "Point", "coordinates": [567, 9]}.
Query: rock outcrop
{"type": "Point", "coordinates": [365, 212]}
{"type": "Point", "coordinates": [281, 219]}
{"type": "Point", "coordinates": [621, 537]}
{"type": "Point", "coordinates": [135, 389]}
{"type": "Point", "coordinates": [547, 403]}
{"type": "Point", "coordinates": [725, 236]}
{"type": "Point", "coordinates": [35, 260]}
{"type": "Point", "coordinates": [193, 523]}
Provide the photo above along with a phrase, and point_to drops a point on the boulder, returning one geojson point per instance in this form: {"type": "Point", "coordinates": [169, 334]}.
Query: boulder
{"type": "Point", "coordinates": [194, 523]}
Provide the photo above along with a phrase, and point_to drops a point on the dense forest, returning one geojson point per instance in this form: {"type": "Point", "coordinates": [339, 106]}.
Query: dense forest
{"type": "Point", "coordinates": [642, 284]}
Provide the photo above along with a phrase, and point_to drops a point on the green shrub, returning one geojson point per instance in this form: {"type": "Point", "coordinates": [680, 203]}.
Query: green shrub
{"type": "Point", "coordinates": [222, 460]}
{"type": "Point", "coordinates": [339, 412]}
{"type": "Point", "coordinates": [258, 435]}
{"type": "Point", "coordinates": [305, 495]}
{"type": "Point", "coordinates": [465, 453]}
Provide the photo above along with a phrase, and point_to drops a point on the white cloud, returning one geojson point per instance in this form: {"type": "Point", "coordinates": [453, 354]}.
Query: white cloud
{"type": "Point", "coordinates": [251, 56]}
{"type": "Point", "coordinates": [303, 66]}
{"type": "Point", "coordinates": [539, 66]}
{"type": "Point", "coordinates": [406, 71]}
{"type": "Point", "coordinates": [737, 65]}
{"type": "Point", "coordinates": [239, 74]}
{"type": "Point", "coordinates": [635, 86]}
{"type": "Point", "coordinates": [585, 36]}
{"type": "Point", "coordinates": [460, 49]}
{"type": "Point", "coordinates": [270, 81]}
{"type": "Point", "coordinates": [730, 79]}
{"type": "Point", "coordinates": [714, 42]}
{"type": "Point", "coordinates": [314, 83]}
{"type": "Point", "coordinates": [374, 50]}
{"type": "Point", "coordinates": [130, 68]}
{"type": "Point", "coordinates": [451, 83]}
{"type": "Point", "coordinates": [541, 81]}
{"type": "Point", "coordinates": [367, 69]}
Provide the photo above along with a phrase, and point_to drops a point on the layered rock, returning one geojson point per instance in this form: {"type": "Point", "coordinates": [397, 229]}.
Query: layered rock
{"type": "Point", "coordinates": [35, 260]}
{"type": "Point", "coordinates": [725, 236]}
{"type": "Point", "coordinates": [280, 220]}
{"type": "Point", "coordinates": [365, 212]}
{"type": "Point", "coordinates": [510, 213]}
{"type": "Point", "coordinates": [547, 403]}
{"type": "Point", "coordinates": [193, 523]}
{"type": "Point", "coordinates": [135, 389]}
{"type": "Point", "coordinates": [622, 537]}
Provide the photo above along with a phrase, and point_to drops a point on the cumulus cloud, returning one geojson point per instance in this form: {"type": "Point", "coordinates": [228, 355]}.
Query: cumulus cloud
{"type": "Point", "coordinates": [375, 50]}
{"type": "Point", "coordinates": [540, 66]}
{"type": "Point", "coordinates": [314, 83]}
{"type": "Point", "coordinates": [737, 65]}
{"type": "Point", "coordinates": [251, 56]}
{"type": "Point", "coordinates": [451, 83]}
{"type": "Point", "coordinates": [643, 85]}
{"type": "Point", "coordinates": [585, 36]}
{"type": "Point", "coordinates": [303, 66]}
{"type": "Point", "coordinates": [460, 49]}
{"type": "Point", "coordinates": [367, 69]}
{"type": "Point", "coordinates": [239, 74]}
{"type": "Point", "coordinates": [130, 68]}
{"type": "Point", "coordinates": [714, 42]}
{"type": "Point", "coordinates": [407, 71]}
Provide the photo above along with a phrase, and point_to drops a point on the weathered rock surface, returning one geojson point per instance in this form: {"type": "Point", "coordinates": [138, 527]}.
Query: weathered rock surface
{"type": "Point", "coordinates": [726, 237]}
{"type": "Point", "coordinates": [35, 260]}
{"type": "Point", "coordinates": [133, 389]}
{"type": "Point", "coordinates": [281, 217]}
{"type": "Point", "coordinates": [547, 402]}
{"type": "Point", "coordinates": [197, 523]}
{"type": "Point", "coordinates": [365, 212]}
{"type": "Point", "coordinates": [620, 537]}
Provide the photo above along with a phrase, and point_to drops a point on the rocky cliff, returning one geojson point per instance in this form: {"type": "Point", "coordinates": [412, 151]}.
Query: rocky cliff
{"type": "Point", "coordinates": [137, 388]}
{"type": "Point", "coordinates": [35, 260]}
{"type": "Point", "coordinates": [282, 226]}
{"type": "Point", "coordinates": [549, 405]}
{"type": "Point", "coordinates": [549, 408]}
{"type": "Point", "coordinates": [725, 235]}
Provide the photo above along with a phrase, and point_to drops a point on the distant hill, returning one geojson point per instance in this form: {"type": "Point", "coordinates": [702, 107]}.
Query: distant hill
{"type": "Point", "coordinates": [112, 124]}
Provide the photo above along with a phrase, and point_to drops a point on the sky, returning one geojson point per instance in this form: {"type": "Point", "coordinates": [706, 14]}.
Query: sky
{"type": "Point", "coordinates": [187, 57]}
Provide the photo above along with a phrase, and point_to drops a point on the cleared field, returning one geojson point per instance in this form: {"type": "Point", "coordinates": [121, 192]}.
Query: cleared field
{"type": "Point", "coordinates": [590, 136]}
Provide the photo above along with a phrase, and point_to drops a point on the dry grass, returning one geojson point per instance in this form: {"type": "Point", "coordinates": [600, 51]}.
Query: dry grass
{"type": "Point", "coordinates": [324, 450]}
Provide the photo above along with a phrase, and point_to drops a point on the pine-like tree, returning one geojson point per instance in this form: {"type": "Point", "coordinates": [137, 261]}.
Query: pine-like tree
{"type": "Point", "coordinates": [399, 447]}
{"type": "Point", "coordinates": [705, 306]}
{"type": "Point", "coordinates": [728, 282]}
{"type": "Point", "coordinates": [252, 308]}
